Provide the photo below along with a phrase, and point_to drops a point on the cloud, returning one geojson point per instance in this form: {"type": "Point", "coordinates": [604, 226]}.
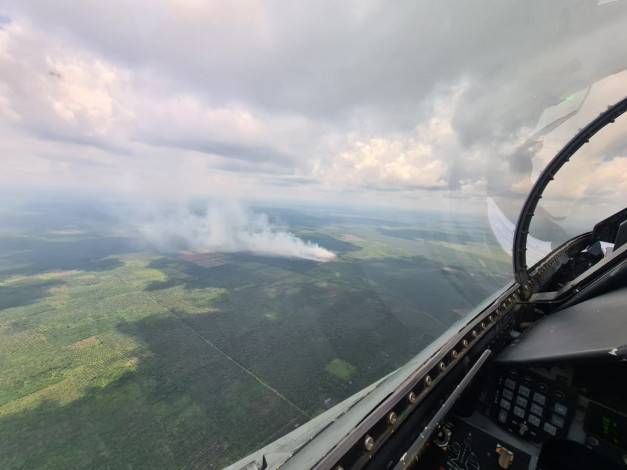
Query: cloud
{"type": "Point", "coordinates": [227, 228]}
{"type": "Point", "coordinates": [56, 90]}
{"type": "Point", "coordinates": [416, 160]}
{"type": "Point", "coordinates": [431, 99]}
{"type": "Point", "coordinates": [61, 93]}
{"type": "Point", "coordinates": [326, 60]}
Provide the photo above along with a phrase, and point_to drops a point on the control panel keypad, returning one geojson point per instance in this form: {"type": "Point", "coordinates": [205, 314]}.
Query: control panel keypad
{"type": "Point", "coordinates": [532, 406]}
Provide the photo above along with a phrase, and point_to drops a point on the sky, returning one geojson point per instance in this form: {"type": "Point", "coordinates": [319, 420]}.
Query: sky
{"type": "Point", "coordinates": [410, 104]}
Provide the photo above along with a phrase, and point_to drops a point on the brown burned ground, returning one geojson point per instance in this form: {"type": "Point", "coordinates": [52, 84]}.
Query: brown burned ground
{"type": "Point", "coordinates": [206, 260]}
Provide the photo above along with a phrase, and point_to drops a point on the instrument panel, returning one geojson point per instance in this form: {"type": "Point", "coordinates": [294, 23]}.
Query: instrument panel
{"type": "Point", "coordinates": [532, 406]}
{"type": "Point", "coordinates": [606, 431]}
{"type": "Point", "coordinates": [524, 412]}
{"type": "Point", "coordinates": [472, 447]}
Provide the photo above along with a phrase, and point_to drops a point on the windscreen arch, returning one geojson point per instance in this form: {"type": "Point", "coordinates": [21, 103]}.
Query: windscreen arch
{"type": "Point", "coordinates": [553, 213]}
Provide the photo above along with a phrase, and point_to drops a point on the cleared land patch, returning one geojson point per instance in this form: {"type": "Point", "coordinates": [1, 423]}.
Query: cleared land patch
{"type": "Point", "coordinates": [349, 237]}
{"type": "Point", "coordinates": [341, 369]}
{"type": "Point", "coordinates": [84, 342]}
{"type": "Point", "coordinates": [206, 260]}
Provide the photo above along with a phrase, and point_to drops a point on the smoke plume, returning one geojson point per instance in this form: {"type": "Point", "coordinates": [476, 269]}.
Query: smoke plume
{"type": "Point", "coordinates": [227, 228]}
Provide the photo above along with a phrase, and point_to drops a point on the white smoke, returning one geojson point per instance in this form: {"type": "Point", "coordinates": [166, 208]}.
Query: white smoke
{"type": "Point", "coordinates": [227, 228]}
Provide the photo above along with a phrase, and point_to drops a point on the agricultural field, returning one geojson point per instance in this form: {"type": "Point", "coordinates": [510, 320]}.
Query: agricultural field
{"type": "Point", "coordinates": [116, 355]}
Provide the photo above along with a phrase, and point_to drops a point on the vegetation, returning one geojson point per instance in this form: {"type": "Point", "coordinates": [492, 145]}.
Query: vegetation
{"type": "Point", "coordinates": [113, 356]}
{"type": "Point", "coordinates": [341, 369]}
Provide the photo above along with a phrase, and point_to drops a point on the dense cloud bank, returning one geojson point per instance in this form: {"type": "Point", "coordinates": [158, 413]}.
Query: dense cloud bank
{"type": "Point", "coordinates": [401, 105]}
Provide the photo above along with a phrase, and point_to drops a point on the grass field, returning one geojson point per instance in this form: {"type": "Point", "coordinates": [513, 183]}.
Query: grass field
{"type": "Point", "coordinates": [114, 356]}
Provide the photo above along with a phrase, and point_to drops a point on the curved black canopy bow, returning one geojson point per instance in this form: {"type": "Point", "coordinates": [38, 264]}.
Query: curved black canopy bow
{"type": "Point", "coordinates": [521, 272]}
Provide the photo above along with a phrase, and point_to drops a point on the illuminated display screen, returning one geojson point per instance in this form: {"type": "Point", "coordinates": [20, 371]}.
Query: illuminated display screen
{"type": "Point", "coordinates": [607, 424]}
